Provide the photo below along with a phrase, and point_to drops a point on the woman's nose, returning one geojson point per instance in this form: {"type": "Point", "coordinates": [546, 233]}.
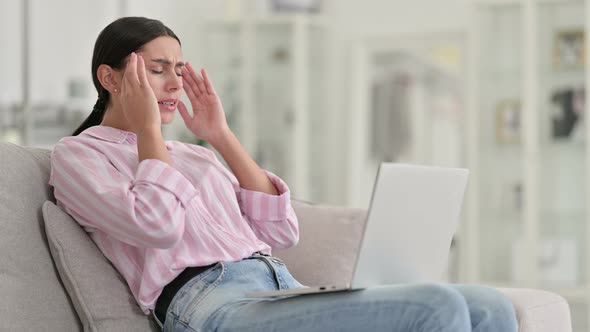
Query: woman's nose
{"type": "Point", "coordinates": [175, 83]}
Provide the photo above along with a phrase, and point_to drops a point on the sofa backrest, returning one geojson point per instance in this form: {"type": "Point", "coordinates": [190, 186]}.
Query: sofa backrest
{"type": "Point", "coordinates": [329, 238]}
{"type": "Point", "coordinates": [33, 298]}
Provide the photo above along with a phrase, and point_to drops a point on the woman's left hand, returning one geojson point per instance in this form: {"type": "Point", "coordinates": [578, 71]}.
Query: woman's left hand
{"type": "Point", "coordinates": [208, 120]}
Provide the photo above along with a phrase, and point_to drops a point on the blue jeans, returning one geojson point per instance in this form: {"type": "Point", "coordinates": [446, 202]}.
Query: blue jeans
{"type": "Point", "coordinates": [214, 301]}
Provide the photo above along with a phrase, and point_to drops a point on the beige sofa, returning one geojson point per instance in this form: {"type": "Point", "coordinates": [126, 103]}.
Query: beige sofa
{"type": "Point", "coordinates": [40, 293]}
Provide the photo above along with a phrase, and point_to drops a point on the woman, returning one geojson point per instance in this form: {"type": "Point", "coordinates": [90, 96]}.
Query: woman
{"type": "Point", "coordinates": [192, 238]}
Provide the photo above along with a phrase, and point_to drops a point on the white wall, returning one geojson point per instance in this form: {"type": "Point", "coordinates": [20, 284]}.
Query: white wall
{"type": "Point", "coordinates": [62, 36]}
{"type": "Point", "coordinates": [10, 56]}
{"type": "Point", "coordinates": [180, 15]}
{"type": "Point", "coordinates": [63, 33]}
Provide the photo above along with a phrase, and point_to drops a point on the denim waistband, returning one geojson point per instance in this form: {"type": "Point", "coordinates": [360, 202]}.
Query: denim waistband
{"type": "Point", "coordinates": [175, 285]}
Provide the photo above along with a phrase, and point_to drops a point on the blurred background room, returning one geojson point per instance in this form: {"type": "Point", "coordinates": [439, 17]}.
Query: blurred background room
{"type": "Point", "coordinates": [321, 91]}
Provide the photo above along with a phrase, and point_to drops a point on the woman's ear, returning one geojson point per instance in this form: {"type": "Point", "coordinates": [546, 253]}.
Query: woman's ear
{"type": "Point", "coordinates": [109, 78]}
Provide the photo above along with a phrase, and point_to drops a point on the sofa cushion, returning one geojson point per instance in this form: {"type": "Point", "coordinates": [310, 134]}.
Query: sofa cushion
{"type": "Point", "coordinates": [33, 296]}
{"type": "Point", "coordinates": [329, 241]}
{"type": "Point", "coordinates": [99, 293]}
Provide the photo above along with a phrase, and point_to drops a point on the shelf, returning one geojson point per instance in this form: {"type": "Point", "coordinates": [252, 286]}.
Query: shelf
{"type": "Point", "coordinates": [500, 216]}
{"type": "Point", "coordinates": [561, 145]}
{"type": "Point", "coordinates": [508, 217]}
{"type": "Point", "coordinates": [500, 151]}
{"type": "Point", "coordinates": [534, 191]}
{"type": "Point", "coordinates": [548, 146]}
{"type": "Point", "coordinates": [570, 214]}
{"type": "Point", "coordinates": [509, 72]}
{"type": "Point", "coordinates": [552, 73]}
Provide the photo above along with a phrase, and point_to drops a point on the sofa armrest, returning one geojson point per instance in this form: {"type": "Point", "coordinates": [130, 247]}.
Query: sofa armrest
{"type": "Point", "coordinates": [539, 310]}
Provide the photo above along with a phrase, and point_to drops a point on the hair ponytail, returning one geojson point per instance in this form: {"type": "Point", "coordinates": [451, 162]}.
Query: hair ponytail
{"type": "Point", "coordinates": [95, 117]}
{"type": "Point", "coordinates": [113, 45]}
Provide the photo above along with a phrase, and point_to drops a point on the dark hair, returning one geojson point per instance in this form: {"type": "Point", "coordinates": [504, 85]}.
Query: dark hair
{"type": "Point", "coordinates": [114, 43]}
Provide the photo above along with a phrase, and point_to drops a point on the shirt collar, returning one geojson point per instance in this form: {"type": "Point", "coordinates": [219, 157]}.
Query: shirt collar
{"type": "Point", "coordinates": [111, 134]}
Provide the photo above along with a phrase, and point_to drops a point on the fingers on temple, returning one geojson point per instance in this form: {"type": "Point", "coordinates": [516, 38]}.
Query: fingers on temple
{"type": "Point", "coordinates": [188, 87]}
{"type": "Point", "coordinates": [131, 71]}
{"type": "Point", "coordinates": [189, 78]}
{"type": "Point", "coordinates": [208, 84]}
{"type": "Point", "coordinates": [141, 71]}
{"type": "Point", "coordinates": [190, 93]}
{"type": "Point", "coordinates": [197, 78]}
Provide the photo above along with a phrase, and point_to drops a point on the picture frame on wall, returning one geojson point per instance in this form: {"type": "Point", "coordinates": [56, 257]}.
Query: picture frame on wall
{"type": "Point", "coordinates": [567, 114]}
{"type": "Point", "coordinates": [508, 121]}
{"type": "Point", "coordinates": [570, 49]}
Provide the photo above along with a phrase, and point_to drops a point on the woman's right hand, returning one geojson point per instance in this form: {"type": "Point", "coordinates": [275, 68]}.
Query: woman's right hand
{"type": "Point", "coordinates": [139, 103]}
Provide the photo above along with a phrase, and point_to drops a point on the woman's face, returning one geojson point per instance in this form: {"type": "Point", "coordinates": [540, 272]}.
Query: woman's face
{"type": "Point", "coordinates": [163, 64]}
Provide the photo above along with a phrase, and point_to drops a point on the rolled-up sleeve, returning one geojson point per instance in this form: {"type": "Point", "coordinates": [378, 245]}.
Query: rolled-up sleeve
{"type": "Point", "coordinates": [147, 209]}
{"type": "Point", "coordinates": [271, 216]}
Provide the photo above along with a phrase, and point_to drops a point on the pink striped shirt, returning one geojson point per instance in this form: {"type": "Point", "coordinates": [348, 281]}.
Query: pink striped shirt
{"type": "Point", "coordinates": [152, 220]}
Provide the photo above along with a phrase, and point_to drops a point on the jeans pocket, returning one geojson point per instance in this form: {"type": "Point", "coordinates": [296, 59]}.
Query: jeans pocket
{"type": "Point", "coordinates": [195, 292]}
{"type": "Point", "coordinates": [285, 278]}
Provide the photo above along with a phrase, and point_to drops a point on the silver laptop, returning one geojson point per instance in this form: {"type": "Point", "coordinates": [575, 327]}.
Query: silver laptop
{"type": "Point", "coordinates": [413, 215]}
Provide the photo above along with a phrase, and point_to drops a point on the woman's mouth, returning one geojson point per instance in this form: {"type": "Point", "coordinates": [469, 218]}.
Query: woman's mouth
{"type": "Point", "coordinates": [168, 105]}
